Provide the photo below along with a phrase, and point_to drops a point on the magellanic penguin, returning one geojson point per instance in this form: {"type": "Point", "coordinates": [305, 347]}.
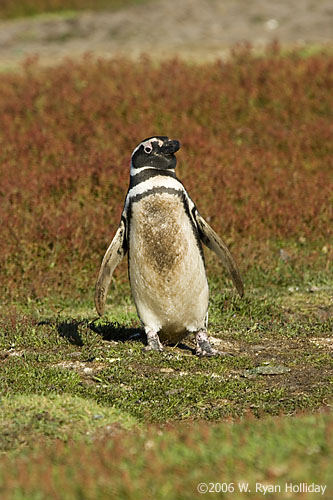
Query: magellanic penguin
{"type": "Point", "coordinates": [162, 231]}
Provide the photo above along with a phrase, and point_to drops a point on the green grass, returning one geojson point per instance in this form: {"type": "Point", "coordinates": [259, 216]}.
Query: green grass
{"type": "Point", "coordinates": [165, 463]}
{"type": "Point", "coordinates": [26, 418]}
{"type": "Point", "coordinates": [279, 338]}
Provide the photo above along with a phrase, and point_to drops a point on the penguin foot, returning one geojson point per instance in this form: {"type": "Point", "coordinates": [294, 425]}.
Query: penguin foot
{"type": "Point", "coordinates": [204, 347]}
{"type": "Point", "coordinates": [153, 342]}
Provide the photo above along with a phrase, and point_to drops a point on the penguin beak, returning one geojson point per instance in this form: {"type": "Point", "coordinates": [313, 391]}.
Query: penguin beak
{"type": "Point", "coordinates": [170, 147]}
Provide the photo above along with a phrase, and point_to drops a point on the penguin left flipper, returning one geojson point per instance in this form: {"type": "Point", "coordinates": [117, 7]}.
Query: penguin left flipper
{"type": "Point", "coordinates": [111, 259]}
{"type": "Point", "coordinates": [217, 245]}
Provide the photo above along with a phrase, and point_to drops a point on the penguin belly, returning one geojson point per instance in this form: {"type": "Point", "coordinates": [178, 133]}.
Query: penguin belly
{"type": "Point", "coordinates": [166, 268]}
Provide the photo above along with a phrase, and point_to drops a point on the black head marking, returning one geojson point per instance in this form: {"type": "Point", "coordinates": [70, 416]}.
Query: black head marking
{"type": "Point", "coordinates": [157, 152]}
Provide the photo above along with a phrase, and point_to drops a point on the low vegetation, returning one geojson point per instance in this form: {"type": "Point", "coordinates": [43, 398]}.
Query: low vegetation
{"type": "Point", "coordinates": [256, 157]}
{"type": "Point", "coordinates": [229, 457]}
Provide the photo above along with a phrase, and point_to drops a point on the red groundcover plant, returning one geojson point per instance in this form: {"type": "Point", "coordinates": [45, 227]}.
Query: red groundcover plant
{"type": "Point", "coordinates": [256, 155]}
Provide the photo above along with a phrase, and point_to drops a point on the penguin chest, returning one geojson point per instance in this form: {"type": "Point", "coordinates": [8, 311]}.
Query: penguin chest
{"type": "Point", "coordinates": [167, 272]}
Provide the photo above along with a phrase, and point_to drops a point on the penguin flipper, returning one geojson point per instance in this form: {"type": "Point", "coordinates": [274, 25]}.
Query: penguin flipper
{"type": "Point", "coordinates": [217, 245]}
{"type": "Point", "coordinates": [111, 259]}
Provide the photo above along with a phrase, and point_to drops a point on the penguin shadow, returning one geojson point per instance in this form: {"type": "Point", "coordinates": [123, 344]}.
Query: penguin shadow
{"type": "Point", "coordinates": [75, 331]}
{"type": "Point", "coordinates": [118, 333]}
{"type": "Point", "coordinates": [69, 330]}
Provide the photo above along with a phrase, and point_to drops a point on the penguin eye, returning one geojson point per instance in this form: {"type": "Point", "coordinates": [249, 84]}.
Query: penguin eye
{"type": "Point", "coordinates": [148, 149]}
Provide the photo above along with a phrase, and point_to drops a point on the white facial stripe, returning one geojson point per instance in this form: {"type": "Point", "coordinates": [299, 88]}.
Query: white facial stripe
{"type": "Point", "coordinates": [138, 147]}
{"type": "Point", "coordinates": [148, 143]}
{"type": "Point", "coordinates": [159, 141]}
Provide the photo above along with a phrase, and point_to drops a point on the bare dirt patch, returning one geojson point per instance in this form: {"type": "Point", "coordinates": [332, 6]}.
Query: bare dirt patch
{"type": "Point", "coordinates": [195, 29]}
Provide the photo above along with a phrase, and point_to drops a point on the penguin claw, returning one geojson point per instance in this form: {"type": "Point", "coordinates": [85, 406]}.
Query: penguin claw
{"type": "Point", "coordinates": [204, 349]}
{"type": "Point", "coordinates": [153, 342]}
{"type": "Point", "coordinates": [209, 352]}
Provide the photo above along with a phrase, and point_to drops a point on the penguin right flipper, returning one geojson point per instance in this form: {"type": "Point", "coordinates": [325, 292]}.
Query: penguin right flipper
{"type": "Point", "coordinates": [215, 243]}
{"type": "Point", "coordinates": [111, 259]}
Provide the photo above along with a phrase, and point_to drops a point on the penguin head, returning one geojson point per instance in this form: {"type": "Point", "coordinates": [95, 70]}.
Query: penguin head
{"type": "Point", "coordinates": [156, 152]}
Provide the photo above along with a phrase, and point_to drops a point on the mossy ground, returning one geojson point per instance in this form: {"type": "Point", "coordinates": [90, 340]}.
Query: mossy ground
{"type": "Point", "coordinates": [287, 329]}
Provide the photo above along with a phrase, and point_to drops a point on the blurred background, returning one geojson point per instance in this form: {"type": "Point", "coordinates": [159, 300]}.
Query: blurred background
{"type": "Point", "coordinates": [195, 29]}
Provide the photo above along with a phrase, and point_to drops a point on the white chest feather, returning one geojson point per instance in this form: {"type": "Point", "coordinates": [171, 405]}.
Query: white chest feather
{"type": "Point", "coordinates": [167, 273]}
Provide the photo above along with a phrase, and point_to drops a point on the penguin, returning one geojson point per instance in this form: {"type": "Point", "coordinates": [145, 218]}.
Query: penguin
{"type": "Point", "coordinates": [162, 232]}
